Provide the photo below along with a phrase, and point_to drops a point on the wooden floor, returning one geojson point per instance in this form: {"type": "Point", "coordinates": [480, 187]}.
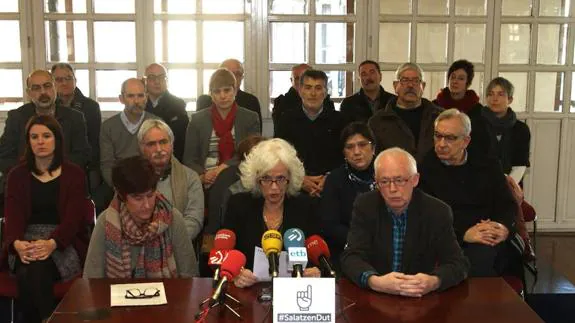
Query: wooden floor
{"type": "Point", "coordinates": [556, 263]}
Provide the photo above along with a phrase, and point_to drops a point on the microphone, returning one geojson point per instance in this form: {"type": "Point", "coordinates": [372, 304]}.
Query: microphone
{"type": "Point", "coordinates": [224, 241]}
{"type": "Point", "coordinates": [318, 252]}
{"type": "Point", "coordinates": [272, 245]}
{"type": "Point", "coordinates": [229, 269]}
{"type": "Point", "coordinates": [297, 254]}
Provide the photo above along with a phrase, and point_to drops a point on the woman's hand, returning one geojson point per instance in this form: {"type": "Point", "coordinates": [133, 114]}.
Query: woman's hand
{"type": "Point", "coordinates": [25, 251]}
{"type": "Point", "coordinates": [246, 278]}
{"type": "Point", "coordinates": [43, 248]}
{"type": "Point", "coordinates": [312, 272]}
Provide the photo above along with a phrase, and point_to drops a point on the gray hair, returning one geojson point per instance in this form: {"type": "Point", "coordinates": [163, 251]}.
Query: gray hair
{"type": "Point", "coordinates": [453, 114]}
{"type": "Point", "coordinates": [265, 156]}
{"type": "Point", "coordinates": [408, 66]}
{"type": "Point", "coordinates": [62, 65]}
{"type": "Point", "coordinates": [396, 151]}
{"type": "Point", "coordinates": [154, 123]}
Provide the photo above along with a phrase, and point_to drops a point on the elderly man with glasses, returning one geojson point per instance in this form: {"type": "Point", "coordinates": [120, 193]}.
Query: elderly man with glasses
{"type": "Point", "coordinates": [401, 240]}
{"type": "Point", "coordinates": [406, 121]}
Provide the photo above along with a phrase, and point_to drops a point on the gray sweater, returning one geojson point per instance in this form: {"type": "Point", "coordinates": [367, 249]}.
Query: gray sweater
{"type": "Point", "coordinates": [186, 263]}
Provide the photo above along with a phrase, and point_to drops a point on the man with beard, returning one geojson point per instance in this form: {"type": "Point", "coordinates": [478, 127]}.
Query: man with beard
{"type": "Point", "coordinates": [370, 98]}
{"type": "Point", "coordinates": [178, 183]}
{"type": "Point", "coordinates": [406, 121]}
{"type": "Point", "coordinates": [118, 137]}
{"type": "Point", "coordinates": [41, 90]}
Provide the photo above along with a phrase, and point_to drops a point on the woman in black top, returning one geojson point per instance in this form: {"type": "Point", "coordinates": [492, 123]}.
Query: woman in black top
{"type": "Point", "coordinates": [273, 175]}
{"type": "Point", "coordinates": [343, 184]}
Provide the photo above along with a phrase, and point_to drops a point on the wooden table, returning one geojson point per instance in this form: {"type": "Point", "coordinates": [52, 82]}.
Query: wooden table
{"type": "Point", "coordinates": [476, 300]}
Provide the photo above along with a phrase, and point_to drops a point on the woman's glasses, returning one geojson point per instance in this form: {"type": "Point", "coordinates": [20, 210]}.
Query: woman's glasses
{"type": "Point", "coordinates": [136, 293]}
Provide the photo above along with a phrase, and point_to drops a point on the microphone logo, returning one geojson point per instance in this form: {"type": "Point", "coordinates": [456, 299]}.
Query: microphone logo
{"type": "Point", "coordinates": [295, 236]}
{"type": "Point", "coordinates": [219, 257]}
{"type": "Point", "coordinates": [222, 235]}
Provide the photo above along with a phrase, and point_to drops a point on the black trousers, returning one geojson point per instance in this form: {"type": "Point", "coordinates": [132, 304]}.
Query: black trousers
{"type": "Point", "coordinates": [487, 261]}
{"type": "Point", "coordinates": [35, 288]}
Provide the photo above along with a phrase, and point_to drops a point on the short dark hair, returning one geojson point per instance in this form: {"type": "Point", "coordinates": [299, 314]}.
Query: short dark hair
{"type": "Point", "coordinates": [62, 65]}
{"type": "Point", "coordinates": [246, 145]}
{"type": "Point", "coordinates": [369, 61]}
{"type": "Point", "coordinates": [54, 126]}
{"type": "Point", "coordinates": [314, 74]}
{"type": "Point", "coordinates": [505, 84]}
{"type": "Point", "coordinates": [465, 65]}
{"type": "Point", "coordinates": [356, 128]}
{"type": "Point", "coordinates": [134, 175]}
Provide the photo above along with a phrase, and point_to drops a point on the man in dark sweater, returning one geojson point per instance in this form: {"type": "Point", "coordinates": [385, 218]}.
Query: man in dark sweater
{"type": "Point", "coordinates": [370, 98]}
{"type": "Point", "coordinates": [314, 131]}
{"type": "Point", "coordinates": [166, 106]}
{"type": "Point", "coordinates": [407, 121]}
{"type": "Point", "coordinates": [477, 191]}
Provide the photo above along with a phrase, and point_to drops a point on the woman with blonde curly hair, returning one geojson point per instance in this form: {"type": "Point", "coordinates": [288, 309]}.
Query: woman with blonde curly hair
{"type": "Point", "coordinates": [273, 174]}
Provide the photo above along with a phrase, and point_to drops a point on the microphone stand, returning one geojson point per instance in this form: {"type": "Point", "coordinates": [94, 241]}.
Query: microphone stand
{"type": "Point", "coordinates": [221, 300]}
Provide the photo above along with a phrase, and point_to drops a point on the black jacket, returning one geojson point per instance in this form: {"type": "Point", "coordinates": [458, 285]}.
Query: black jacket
{"type": "Point", "coordinates": [356, 107]}
{"type": "Point", "coordinates": [429, 247]}
{"type": "Point", "coordinates": [317, 142]}
{"type": "Point", "coordinates": [244, 216]}
{"type": "Point", "coordinates": [243, 99]}
{"type": "Point", "coordinates": [93, 118]}
{"type": "Point", "coordinates": [13, 141]}
{"type": "Point", "coordinates": [291, 101]}
{"type": "Point", "coordinates": [172, 110]}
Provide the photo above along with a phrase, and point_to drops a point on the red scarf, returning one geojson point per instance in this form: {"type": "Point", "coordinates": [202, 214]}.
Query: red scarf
{"type": "Point", "coordinates": [445, 100]}
{"type": "Point", "coordinates": [223, 129]}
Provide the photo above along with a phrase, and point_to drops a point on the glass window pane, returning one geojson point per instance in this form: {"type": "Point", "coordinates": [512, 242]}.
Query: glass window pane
{"type": "Point", "coordinates": [471, 7]}
{"type": "Point", "coordinates": [181, 39]}
{"type": "Point", "coordinates": [336, 84]}
{"type": "Point", "coordinates": [114, 41]}
{"type": "Point", "coordinates": [470, 42]}
{"type": "Point", "coordinates": [330, 7]}
{"type": "Point", "coordinates": [431, 43]}
{"type": "Point", "coordinates": [515, 43]}
{"type": "Point", "coordinates": [394, 42]}
{"type": "Point", "coordinates": [7, 106]}
{"type": "Point", "coordinates": [387, 78]}
{"type": "Point", "coordinates": [74, 6]}
{"type": "Point", "coordinates": [288, 7]}
{"type": "Point", "coordinates": [111, 106]}
{"type": "Point", "coordinates": [9, 6]}
{"type": "Point", "coordinates": [174, 6]}
{"type": "Point", "coordinates": [433, 7]}
{"type": "Point", "coordinates": [67, 41]}
{"type": "Point", "coordinates": [477, 84]}
{"type": "Point", "coordinates": [572, 109]}
{"type": "Point", "coordinates": [548, 92]}
{"type": "Point", "coordinates": [207, 76]}
{"type": "Point", "coordinates": [215, 50]}
{"type": "Point", "coordinates": [280, 83]}
{"type": "Point", "coordinates": [10, 52]}
{"type": "Point", "coordinates": [516, 7]}
{"type": "Point", "coordinates": [334, 43]}
{"type": "Point", "coordinates": [109, 83]}
{"type": "Point", "coordinates": [519, 81]}
{"type": "Point", "coordinates": [114, 6]}
{"type": "Point", "coordinates": [293, 33]}
{"type": "Point", "coordinates": [395, 7]}
{"type": "Point", "coordinates": [551, 44]}
{"type": "Point", "coordinates": [83, 81]}
{"type": "Point", "coordinates": [182, 82]}
{"type": "Point", "coordinates": [223, 6]}
{"type": "Point", "coordinates": [553, 8]}
{"type": "Point", "coordinates": [434, 82]}
{"type": "Point", "coordinates": [10, 83]}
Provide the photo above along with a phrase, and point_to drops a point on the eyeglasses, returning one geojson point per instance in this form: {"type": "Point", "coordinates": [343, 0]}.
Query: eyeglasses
{"type": "Point", "coordinates": [38, 87]}
{"type": "Point", "coordinates": [268, 180]}
{"type": "Point", "coordinates": [398, 181]}
{"type": "Point", "coordinates": [407, 81]}
{"type": "Point", "coordinates": [136, 293]}
{"type": "Point", "coordinates": [448, 138]}
{"type": "Point", "coordinates": [155, 78]}
{"type": "Point", "coordinates": [64, 79]}
{"type": "Point", "coordinates": [360, 145]}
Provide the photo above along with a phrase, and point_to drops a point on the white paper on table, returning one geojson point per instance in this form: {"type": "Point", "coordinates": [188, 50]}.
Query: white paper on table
{"type": "Point", "coordinates": [262, 266]}
{"type": "Point", "coordinates": [118, 295]}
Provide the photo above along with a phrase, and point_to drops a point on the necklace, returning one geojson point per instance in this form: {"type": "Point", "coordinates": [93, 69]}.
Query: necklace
{"type": "Point", "coordinates": [273, 224]}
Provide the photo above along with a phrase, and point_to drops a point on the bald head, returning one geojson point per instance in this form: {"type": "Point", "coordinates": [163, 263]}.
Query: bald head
{"type": "Point", "coordinates": [236, 67]}
{"type": "Point", "coordinates": [41, 90]}
{"type": "Point", "coordinates": [296, 72]}
{"type": "Point", "coordinates": [396, 156]}
{"type": "Point", "coordinates": [156, 80]}
{"type": "Point", "coordinates": [38, 73]}
{"type": "Point", "coordinates": [396, 177]}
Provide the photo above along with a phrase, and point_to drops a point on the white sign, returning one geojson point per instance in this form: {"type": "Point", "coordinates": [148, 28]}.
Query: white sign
{"type": "Point", "coordinates": [303, 300]}
{"type": "Point", "coordinates": [139, 294]}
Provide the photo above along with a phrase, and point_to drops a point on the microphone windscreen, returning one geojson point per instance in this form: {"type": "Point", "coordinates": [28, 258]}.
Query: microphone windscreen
{"type": "Point", "coordinates": [272, 241]}
{"type": "Point", "coordinates": [232, 265]}
{"type": "Point", "coordinates": [225, 240]}
{"type": "Point", "coordinates": [316, 247]}
{"type": "Point", "coordinates": [294, 238]}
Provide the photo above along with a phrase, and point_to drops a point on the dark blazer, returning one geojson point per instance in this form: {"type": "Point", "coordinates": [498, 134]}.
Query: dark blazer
{"type": "Point", "coordinates": [356, 107]}
{"type": "Point", "coordinates": [430, 245]}
{"type": "Point", "coordinates": [172, 110]}
{"type": "Point", "coordinates": [243, 99]}
{"type": "Point", "coordinates": [244, 216]}
{"type": "Point", "coordinates": [71, 199]}
{"type": "Point", "coordinates": [12, 142]}
{"type": "Point", "coordinates": [290, 101]}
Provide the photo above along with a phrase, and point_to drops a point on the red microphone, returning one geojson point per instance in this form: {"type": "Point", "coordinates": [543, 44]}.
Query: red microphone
{"type": "Point", "coordinates": [230, 268]}
{"type": "Point", "coordinates": [224, 241]}
{"type": "Point", "coordinates": [318, 253]}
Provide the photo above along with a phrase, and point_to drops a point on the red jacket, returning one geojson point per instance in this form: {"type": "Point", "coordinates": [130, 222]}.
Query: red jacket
{"type": "Point", "coordinates": [72, 209]}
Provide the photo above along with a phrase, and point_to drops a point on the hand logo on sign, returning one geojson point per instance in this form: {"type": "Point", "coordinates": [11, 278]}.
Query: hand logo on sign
{"type": "Point", "coordinates": [304, 299]}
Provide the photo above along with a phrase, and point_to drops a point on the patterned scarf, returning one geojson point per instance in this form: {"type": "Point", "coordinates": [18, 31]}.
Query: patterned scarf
{"type": "Point", "coordinates": [223, 129]}
{"type": "Point", "coordinates": [156, 256]}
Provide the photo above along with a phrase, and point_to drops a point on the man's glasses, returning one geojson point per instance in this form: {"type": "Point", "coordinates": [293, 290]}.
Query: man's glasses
{"type": "Point", "coordinates": [136, 293]}
{"type": "Point", "coordinates": [398, 181]}
{"type": "Point", "coordinates": [407, 81]}
{"type": "Point", "coordinates": [360, 145]}
{"type": "Point", "coordinates": [268, 180]}
{"type": "Point", "coordinates": [449, 138]}
{"type": "Point", "coordinates": [64, 79]}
